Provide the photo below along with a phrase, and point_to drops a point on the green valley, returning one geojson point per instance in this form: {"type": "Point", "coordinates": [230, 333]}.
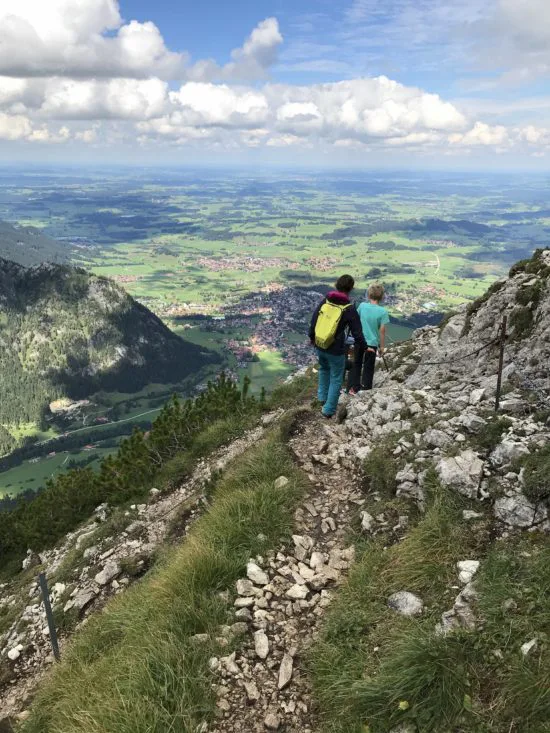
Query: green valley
{"type": "Point", "coordinates": [234, 263]}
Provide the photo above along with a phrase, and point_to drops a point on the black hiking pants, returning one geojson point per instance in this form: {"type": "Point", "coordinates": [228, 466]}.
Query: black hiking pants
{"type": "Point", "coordinates": [363, 367]}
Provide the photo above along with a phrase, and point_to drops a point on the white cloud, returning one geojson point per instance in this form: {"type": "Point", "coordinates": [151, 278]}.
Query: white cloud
{"type": "Point", "coordinates": [250, 62]}
{"type": "Point", "coordinates": [534, 136]}
{"type": "Point", "coordinates": [219, 105]}
{"type": "Point", "coordinates": [363, 109]}
{"type": "Point", "coordinates": [301, 117]}
{"type": "Point", "coordinates": [482, 134]}
{"type": "Point", "coordinates": [284, 141]}
{"type": "Point", "coordinates": [45, 38]}
{"type": "Point", "coordinates": [14, 127]}
{"type": "Point", "coordinates": [258, 53]}
{"type": "Point", "coordinates": [126, 99]}
{"type": "Point", "coordinates": [86, 136]}
{"type": "Point", "coordinates": [86, 38]}
{"type": "Point", "coordinates": [514, 39]}
{"type": "Point", "coordinates": [525, 22]}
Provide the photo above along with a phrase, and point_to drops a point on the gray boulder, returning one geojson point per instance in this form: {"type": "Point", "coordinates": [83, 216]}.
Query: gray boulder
{"type": "Point", "coordinates": [471, 423]}
{"type": "Point", "coordinates": [109, 572]}
{"type": "Point", "coordinates": [405, 603]}
{"type": "Point", "coordinates": [507, 452]}
{"type": "Point", "coordinates": [462, 473]}
{"type": "Point", "coordinates": [83, 598]}
{"type": "Point", "coordinates": [518, 511]}
{"type": "Point", "coordinates": [436, 438]}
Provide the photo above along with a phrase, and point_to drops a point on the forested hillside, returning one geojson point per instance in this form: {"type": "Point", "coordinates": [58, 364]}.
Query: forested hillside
{"type": "Point", "coordinates": [65, 332]}
{"type": "Point", "coordinates": [29, 246]}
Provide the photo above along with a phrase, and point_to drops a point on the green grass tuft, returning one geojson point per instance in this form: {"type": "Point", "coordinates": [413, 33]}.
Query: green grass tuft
{"type": "Point", "coordinates": [380, 469]}
{"type": "Point", "coordinates": [491, 434]}
{"type": "Point", "coordinates": [522, 321]}
{"type": "Point", "coordinates": [537, 476]}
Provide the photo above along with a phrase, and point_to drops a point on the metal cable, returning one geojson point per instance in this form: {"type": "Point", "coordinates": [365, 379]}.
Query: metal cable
{"type": "Point", "coordinates": [460, 358]}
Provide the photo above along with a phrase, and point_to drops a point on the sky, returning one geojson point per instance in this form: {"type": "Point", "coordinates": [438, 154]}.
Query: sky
{"type": "Point", "coordinates": [396, 83]}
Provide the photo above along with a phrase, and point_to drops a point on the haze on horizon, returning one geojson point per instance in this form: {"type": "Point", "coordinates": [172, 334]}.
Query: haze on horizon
{"type": "Point", "coordinates": [404, 83]}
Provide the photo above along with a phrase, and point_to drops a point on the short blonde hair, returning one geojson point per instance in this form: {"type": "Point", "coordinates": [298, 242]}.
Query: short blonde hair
{"type": "Point", "coordinates": [376, 292]}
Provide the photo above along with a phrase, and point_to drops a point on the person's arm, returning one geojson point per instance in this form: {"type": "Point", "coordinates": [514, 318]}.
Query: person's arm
{"type": "Point", "coordinates": [382, 339]}
{"type": "Point", "coordinates": [382, 332]}
{"type": "Point", "coordinates": [355, 327]}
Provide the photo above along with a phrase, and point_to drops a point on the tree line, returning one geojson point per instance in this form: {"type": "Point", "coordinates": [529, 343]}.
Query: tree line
{"type": "Point", "coordinates": [72, 496]}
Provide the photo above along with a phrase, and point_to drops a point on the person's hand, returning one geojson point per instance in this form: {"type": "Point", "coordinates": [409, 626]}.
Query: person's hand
{"type": "Point", "coordinates": [381, 350]}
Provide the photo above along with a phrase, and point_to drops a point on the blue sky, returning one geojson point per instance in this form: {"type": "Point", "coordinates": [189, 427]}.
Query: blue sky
{"type": "Point", "coordinates": [324, 41]}
{"type": "Point", "coordinates": [418, 82]}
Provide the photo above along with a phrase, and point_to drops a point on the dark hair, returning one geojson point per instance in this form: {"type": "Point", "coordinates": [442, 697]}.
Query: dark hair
{"type": "Point", "coordinates": [345, 284]}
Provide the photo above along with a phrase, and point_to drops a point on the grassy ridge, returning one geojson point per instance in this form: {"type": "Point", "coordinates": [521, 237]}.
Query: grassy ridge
{"type": "Point", "coordinates": [133, 668]}
{"type": "Point", "coordinates": [374, 670]}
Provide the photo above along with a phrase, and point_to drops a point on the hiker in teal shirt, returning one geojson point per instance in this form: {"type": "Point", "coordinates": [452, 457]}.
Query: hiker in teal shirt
{"type": "Point", "coordinates": [374, 319]}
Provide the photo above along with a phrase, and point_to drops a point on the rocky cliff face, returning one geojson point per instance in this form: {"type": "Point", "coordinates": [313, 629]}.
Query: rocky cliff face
{"type": "Point", "coordinates": [524, 298]}
{"type": "Point", "coordinates": [440, 393]}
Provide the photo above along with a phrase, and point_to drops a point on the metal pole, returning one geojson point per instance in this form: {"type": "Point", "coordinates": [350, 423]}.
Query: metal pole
{"type": "Point", "coordinates": [49, 615]}
{"type": "Point", "coordinates": [501, 361]}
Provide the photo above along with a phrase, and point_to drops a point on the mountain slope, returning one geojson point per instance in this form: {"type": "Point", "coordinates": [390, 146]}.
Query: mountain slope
{"type": "Point", "coordinates": [398, 583]}
{"type": "Point", "coordinates": [29, 246]}
{"type": "Point", "coordinates": [65, 332]}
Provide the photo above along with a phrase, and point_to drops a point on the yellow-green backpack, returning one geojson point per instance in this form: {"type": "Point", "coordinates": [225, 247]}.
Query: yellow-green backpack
{"type": "Point", "coordinates": [327, 324]}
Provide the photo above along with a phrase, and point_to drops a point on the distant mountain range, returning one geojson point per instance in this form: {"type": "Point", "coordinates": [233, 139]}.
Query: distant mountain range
{"type": "Point", "coordinates": [67, 333]}
{"type": "Point", "coordinates": [29, 246]}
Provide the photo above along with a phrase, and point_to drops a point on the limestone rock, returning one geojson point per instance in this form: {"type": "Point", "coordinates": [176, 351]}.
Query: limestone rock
{"type": "Point", "coordinates": [285, 671]}
{"type": "Point", "coordinates": [528, 647]}
{"type": "Point", "coordinates": [405, 603]}
{"type": "Point", "coordinates": [518, 511]}
{"type": "Point", "coordinates": [281, 482]}
{"type": "Point", "coordinates": [508, 451]}
{"type": "Point", "coordinates": [256, 574]}
{"type": "Point", "coordinates": [436, 438]}
{"type": "Point", "coordinates": [252, 692]}
{"type": "Point", "coordinates": [466, 570]}
{"type": "Point", "coordinates": [477, 395]}
{"type": "Point", "coordinates": [109, 572]}
{"type": "Point", "coordinates": [261, 644]}
{"type": "Point", "coordinates": [83, 598]}
{"type": "Point", "coordinates": [272, 721]}
{"type": "Point", "coordinates": [472, 423]}
{"type": "Point", "coordinates": [468, 514]}
{"type": "Point", "coordinates": [297, 592]}
{"type": "Point", "coordinates": [462, 473]}
{"type": "Point", "coordinates": [367, 522]}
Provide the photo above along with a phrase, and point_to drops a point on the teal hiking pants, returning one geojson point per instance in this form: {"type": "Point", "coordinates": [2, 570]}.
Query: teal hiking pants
{"type": "Point", "coordinates": [331, 375]}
